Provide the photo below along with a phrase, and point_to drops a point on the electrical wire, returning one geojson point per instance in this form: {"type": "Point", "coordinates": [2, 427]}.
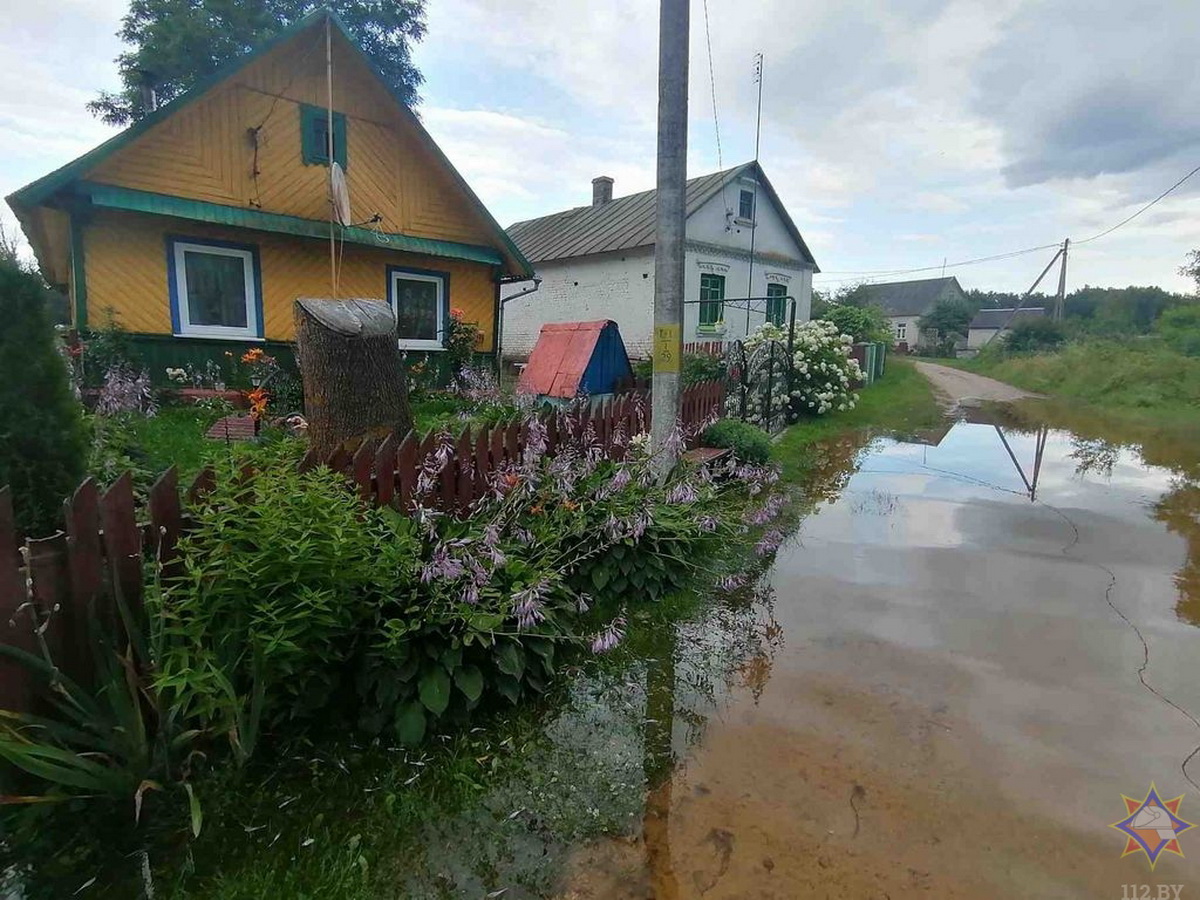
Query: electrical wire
{"type": "Point", "coordinates": [1002, 256]}
{"type": "Point", "coordinates": [712, 86]}
{"type": "Point", "coordinates": [1108, 231]}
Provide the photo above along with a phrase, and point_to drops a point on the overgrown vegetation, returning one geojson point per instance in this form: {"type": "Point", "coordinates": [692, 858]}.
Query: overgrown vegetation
{"type": "Point", "coordinates": [747, 442]}
{"type": "Point", "coordinates": [42, 441]}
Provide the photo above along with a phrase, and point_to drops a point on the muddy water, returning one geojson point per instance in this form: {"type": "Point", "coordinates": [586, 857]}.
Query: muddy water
{"type": "Point", "coordinates": [944, 697]}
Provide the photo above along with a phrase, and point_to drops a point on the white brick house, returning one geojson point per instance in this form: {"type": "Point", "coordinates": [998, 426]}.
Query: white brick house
{"type": "Point", "coordinates": [597, 262]}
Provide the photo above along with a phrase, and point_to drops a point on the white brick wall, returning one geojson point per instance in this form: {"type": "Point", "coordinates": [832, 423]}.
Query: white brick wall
{"type": "Point", "coordinates": [617, 286]}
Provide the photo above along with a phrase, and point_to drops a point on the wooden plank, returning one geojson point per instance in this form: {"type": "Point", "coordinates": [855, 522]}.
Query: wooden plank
{"type": "Point", "coordinates": [81, 512]}
{"type": "Point", "coordinates": [203, 484]}
{"type": "Point", "coordinates": [406, 469]}
{"type": "Point", "coordinates": [512, 439]}
{"type": "Point", "coordinates": [483, 468]}
{"type": "Point", "coordinates": [122, 542]}
{"type": "Point", "coordinates": [464, 463]}
{"type": "Point", "coordinates": [385, 470]}
{"type": "Point", "coordinates": [308, 462]}
{"type": "Point", "coordinates": [360, 468]}
{"type": "Point", "coordinates": [338, 459]}
{"type": "Point", "coordinates": [166, 518]}
{"type": "Point", "coordinates": [17, 621]}
{"type": "Point", "coordinates": [496, 446]}
{"type": "Point", "coordinates": [50, 589]}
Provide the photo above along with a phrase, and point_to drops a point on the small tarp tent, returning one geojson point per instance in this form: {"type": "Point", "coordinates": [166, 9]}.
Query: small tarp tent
{"type": "Point", "coordinates": [576, 359]}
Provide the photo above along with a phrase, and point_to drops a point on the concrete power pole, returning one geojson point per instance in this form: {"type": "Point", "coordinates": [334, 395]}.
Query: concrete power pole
{"type": "Point", "coordinates": [1060, 299]}
{"type": "Point", "coordinates": [673, 26]}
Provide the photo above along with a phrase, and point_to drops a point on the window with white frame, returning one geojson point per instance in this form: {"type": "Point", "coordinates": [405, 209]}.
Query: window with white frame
{"type": "Point", "coordinates": [420, 300]}
{"type": "Point", "coordinates": [214, 289]}
{"type": "Point", "coordinates": [902, 331]}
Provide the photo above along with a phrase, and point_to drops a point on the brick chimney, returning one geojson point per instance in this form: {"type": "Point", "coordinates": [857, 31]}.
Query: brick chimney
{"type": "Point", "coordinates": [601, 190]}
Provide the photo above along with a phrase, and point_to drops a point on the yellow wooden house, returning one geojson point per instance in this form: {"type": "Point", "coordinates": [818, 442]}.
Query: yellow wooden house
{"type": "Point", "coordinates": [199, 226]}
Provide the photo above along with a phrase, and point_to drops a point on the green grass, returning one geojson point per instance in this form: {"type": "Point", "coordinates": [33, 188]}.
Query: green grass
{"type": "Point", "coordinates": [1141, 381]}
{"type": "Point", "coordinates": [902, 401]}
{"type": "Point", "coordinates": [175, 437]}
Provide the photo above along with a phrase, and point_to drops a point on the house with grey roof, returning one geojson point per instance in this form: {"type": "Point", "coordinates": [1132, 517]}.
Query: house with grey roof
{"type": "Point", "coordinates": [904, 302]}
{"type": "Point", "coordinates": [597, 262]}
{"type": "Point", "coordinates": [990, 324]}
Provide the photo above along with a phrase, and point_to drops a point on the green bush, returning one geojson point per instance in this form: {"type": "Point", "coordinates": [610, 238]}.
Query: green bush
{"type": "Point", "coordinates": [863, 323]}
{"type": "Point", "coordinates": [749, 443]}
{"type": "Point", "coordinates": [1180, 328]}
{"type": "Point", "coordinates": [42, 442]}
{"type": "Point", "coordinates": [1039, 335]}
{"type": "Point", "coordinates": [699, 367]}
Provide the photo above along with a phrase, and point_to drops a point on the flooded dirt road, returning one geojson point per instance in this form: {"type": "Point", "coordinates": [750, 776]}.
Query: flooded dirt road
{"type": "Point", "coordinates": [946, 700]}
{"type": "Point", "coordinates": [957, 386]}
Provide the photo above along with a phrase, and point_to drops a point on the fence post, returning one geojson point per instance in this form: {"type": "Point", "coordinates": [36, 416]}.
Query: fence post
{"type": "Point", "coordinates": [16, 620]}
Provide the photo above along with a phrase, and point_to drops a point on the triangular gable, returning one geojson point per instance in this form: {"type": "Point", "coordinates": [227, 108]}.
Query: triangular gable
{"type": "Point", "coordinates": [182, 146]}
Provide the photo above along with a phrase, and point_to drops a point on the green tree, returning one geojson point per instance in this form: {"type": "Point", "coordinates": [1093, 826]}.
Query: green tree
{"type": "Point", "coordinates": [1034, 336]}
{"type": "Point", "coordinates": [1180, 328]}
{"type": "Point", "coordinates": [176, 43]}
{"type": "Point", "coordinates": [948, 319]}
{"type": "Point", "coordinates": [42, 442]}
{"type": "Point", "coordinates": [1192, 268]}
{"type": "Point", "coordinates": [863, 323]}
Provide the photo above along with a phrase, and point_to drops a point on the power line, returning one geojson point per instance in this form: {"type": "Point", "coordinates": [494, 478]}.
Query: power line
{"type": "Point", "coordinates": [712, 86]}
{"type": "Point", "coordinates": [1003, 256]}
{"type": "Point", "coordinates": [1109, 231]}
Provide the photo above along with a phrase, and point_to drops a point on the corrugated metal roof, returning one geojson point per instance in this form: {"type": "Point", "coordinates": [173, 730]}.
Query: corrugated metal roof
{"type": "Point", "coordinates": [627, 222]}
{"type": "Point", "coordinates": [994, 319]}
{"type": "Point", "coordinates": [907, 298]}
{"type": "Point", "coordinates": [563, 354]}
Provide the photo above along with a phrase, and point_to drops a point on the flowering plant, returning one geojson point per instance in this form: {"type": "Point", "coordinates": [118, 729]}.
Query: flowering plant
{"type": "Point", "coordinates": [820, 376]}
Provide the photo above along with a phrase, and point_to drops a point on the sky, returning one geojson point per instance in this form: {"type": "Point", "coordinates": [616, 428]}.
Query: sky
{"type": "Point", "coordinates": [898, 133]}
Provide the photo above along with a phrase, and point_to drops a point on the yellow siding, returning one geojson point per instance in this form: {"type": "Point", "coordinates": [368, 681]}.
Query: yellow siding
{"type": "Point", "coordinates": [206, 151]}
{"type": "Point", "coordinates": [127, 271]}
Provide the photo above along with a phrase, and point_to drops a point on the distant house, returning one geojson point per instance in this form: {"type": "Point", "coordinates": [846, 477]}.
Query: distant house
{"type": "Point", "coordinates": [199, 225]}
{"type": "Point", "coordinates": [597, 262]}
{"type": "Point", "coordinates": [994, 323]}
{"type": "Point", "coordinates": [904, 302]}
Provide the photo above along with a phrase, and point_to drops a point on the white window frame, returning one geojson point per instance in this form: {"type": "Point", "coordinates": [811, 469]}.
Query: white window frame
{"type": "Point", "coordinates": [393, 300]}
{"type": "Point", "coordinates": [901, 331]}
{"type": "Point", "coordinates": [186, 328]}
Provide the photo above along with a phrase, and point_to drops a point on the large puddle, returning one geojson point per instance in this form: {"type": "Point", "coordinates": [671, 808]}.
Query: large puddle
{"type": "Point", "coordinates": [943, 697]}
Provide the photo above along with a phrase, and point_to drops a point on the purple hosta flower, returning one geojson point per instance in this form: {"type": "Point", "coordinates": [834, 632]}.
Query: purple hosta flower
{"type": "Point", "coordinates": [609, 637]}
{"type": "Point", "coordinates": [769, 544]}
{"type": "Point", "coordinates": [614, 528]}
{"type": "Point", "coordinates": [126, 391]}
{"type": "Point", "coordinates": [620, 480]}
{"type": "Point", "coordinates": [675, 442]}
{"type": "Point", "coordinates": [535, 443]}
{"type": "Point", "coordinates": [638, 526]}
{"type": "Point", "coordinates": [442, 565]}
{"type": "Point", "coordinates": [528, 606]}
{"type": "Point", "coordinates": [523, 535]}
{"type": "Point", "coordinates": [709, 524]}
{"type": "Point", "coordinates": [583, 603]}
{"type": "Point", "coordinates": [491, 543]}
{"type": "Point", "coordinates": [768, 511]}
{"type": "Point", "coordinates": [731, 583]}
{"type": "Point", "coordinates": [471, 594]}
{"type": "Point", "coordinates": [620, 438]}
{"type": "Point", "coordinates": [683, 493]}
{"type": "Point", "coordinates": [432, 465]}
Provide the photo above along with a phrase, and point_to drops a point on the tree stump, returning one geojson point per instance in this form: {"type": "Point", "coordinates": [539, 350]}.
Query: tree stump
{"type": "Point", "coordinates": [354, 385]}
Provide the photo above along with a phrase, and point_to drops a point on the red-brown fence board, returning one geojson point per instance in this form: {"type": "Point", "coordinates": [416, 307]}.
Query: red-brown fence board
{"type": "Point", "coordinates": [108, 539]}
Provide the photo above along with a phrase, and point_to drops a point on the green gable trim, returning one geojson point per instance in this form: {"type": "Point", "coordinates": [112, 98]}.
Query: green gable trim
{"type": "Point", "coordinates": [110, 197]}
{"type": "Point", "coordinates": [314, 123]}
{"type": "Point", "coordinates": [78, 273]}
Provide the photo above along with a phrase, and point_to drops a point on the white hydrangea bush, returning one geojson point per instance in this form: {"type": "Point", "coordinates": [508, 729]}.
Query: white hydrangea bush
{"type": "Point", "coordinates": [823, 374]}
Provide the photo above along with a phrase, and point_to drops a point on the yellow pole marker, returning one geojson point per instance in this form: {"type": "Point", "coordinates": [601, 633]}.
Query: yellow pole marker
{"type": "Point", "coordinates": [667, 348]}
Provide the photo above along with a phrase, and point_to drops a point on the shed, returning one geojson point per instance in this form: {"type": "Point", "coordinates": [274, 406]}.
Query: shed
{"type": "Point", "coordinates": [573, 359]}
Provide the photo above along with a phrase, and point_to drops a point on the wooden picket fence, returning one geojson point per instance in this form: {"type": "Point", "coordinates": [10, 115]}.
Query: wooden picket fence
{"type": "Point", "coordinates": [107, 537]}
{"type": "Point", "coordinates": [705, 348]}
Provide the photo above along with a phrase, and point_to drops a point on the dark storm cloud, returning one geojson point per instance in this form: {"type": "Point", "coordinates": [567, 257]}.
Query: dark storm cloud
{"type": "Point", "coordinates": [1080, 89]}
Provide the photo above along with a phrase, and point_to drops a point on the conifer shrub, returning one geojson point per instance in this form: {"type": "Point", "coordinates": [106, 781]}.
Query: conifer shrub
{"type": "Point", "coordinates": [42, 437]}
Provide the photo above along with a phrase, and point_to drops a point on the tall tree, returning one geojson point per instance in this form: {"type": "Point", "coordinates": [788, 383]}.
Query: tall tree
{"type": "Point", "coordinates": [175, 43]}
{"type": "Point", "coordinates": [1192, 269]}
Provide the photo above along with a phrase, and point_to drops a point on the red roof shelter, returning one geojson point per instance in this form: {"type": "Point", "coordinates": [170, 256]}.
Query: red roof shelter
{"type": "Point", "coordinates": [572, 359]}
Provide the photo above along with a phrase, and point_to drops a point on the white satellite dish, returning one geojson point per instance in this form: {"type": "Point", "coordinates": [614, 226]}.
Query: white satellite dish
{"type": "Point", "coordinates": [339, 193]}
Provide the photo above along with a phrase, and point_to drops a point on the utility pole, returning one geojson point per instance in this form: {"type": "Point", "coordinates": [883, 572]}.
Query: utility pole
{"type": "Point", "coordinates": [673, 23]}
{"type": "Point", "coordinates": [1062, 283]}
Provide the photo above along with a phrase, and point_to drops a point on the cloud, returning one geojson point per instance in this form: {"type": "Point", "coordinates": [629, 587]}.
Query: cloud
{"type": "Point", "coordinates": [1079, 91]}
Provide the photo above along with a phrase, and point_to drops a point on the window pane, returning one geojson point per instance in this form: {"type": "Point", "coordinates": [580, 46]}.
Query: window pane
{"type": "Point", "coordinates": [712, 290]}
{"type": "Point", "coordinates": [776, 303]}
{"type": "Point", "coordinates": [746, 205]}
{"type": "Point", "coordinates": [216, 289]}
{"type": "Point", "coordinates": [416, 309]}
